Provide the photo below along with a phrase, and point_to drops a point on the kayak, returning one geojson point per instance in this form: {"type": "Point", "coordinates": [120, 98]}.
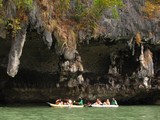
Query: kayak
{"type": "Point", "coordinates": [104, 106]}
{"type": "Point", "coordinates": [64, 106]}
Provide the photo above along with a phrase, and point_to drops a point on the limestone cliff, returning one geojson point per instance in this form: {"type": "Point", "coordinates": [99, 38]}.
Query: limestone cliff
{"type": "Point", "coordinates": [119, 57]}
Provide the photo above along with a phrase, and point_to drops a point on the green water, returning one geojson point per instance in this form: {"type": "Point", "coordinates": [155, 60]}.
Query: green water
{"type": "Point", "coordinates": [48, 113]}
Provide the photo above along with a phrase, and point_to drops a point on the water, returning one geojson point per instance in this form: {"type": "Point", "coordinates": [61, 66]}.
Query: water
{"type": "Point", "coordinates": [88, 113]}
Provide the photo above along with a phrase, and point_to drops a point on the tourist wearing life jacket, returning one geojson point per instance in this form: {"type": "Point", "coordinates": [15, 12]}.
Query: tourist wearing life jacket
{"type": "Point", "coordinates": [114, 102]}
{"type": "Point", "coordinates": [80, 102]}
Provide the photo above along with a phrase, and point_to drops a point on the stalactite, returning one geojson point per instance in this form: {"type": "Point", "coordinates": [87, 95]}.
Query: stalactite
{"type": "Point", "coordinates": [149, 61]}
{"type": "Point", "coordinates": [71, 70]}
{"type": "Point", "coordinates": [47, 38]}
{"type": "Point", "coordinates": [113, 68]}
{"type": "Point", "coordinates": [146, 63]}
{"type": "Point", "coordinates": [142, 59]}
{"type": "Point", "coordinates": [16, 51]}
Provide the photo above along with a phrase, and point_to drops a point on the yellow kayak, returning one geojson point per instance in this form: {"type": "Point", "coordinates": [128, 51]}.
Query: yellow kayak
{"type": "Point", "coordinates": [64, 106]}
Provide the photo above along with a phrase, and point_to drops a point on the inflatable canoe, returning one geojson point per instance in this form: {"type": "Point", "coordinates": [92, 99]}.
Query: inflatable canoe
{"type": "Point", "coordinates": [64, 106]}
{"type": "Point", "coordinates": [104, 106]}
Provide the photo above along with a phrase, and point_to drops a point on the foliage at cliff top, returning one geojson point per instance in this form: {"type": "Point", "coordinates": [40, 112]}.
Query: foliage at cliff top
{"type": "Point", "coordinates": [62, 16]}
{"type": "Point", "coordinates": [65, 15]}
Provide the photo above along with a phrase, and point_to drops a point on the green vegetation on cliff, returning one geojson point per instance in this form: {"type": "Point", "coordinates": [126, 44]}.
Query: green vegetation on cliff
{"type": "Point", "coordinates": [9, 19]}
{"type": "Point", "coordinates": [61, 16]}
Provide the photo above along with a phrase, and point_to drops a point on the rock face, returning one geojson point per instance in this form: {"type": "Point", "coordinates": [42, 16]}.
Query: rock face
{"type": "Point", "coordinates": [38, 81]}
{"type": "Point", "coordinates": [121, 62]}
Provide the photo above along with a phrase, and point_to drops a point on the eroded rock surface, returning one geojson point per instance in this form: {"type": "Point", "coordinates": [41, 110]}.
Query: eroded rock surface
{"type": "Point", "coordinates": [122, 61]}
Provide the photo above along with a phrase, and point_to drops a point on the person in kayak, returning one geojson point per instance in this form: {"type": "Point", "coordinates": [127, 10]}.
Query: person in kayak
{"type": "Point", "coordinates": [80, 101]}
{"type": "Point", "coordinates": [98, 102]}
{"type": "Point", "coordinates": [114, 102]}
{"type": "Point", "coordinates": [59, 102]}
{"type": "Point", "coordinates": [69, 102]}
{"type": "Point", "coordinates": [107, 102]}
